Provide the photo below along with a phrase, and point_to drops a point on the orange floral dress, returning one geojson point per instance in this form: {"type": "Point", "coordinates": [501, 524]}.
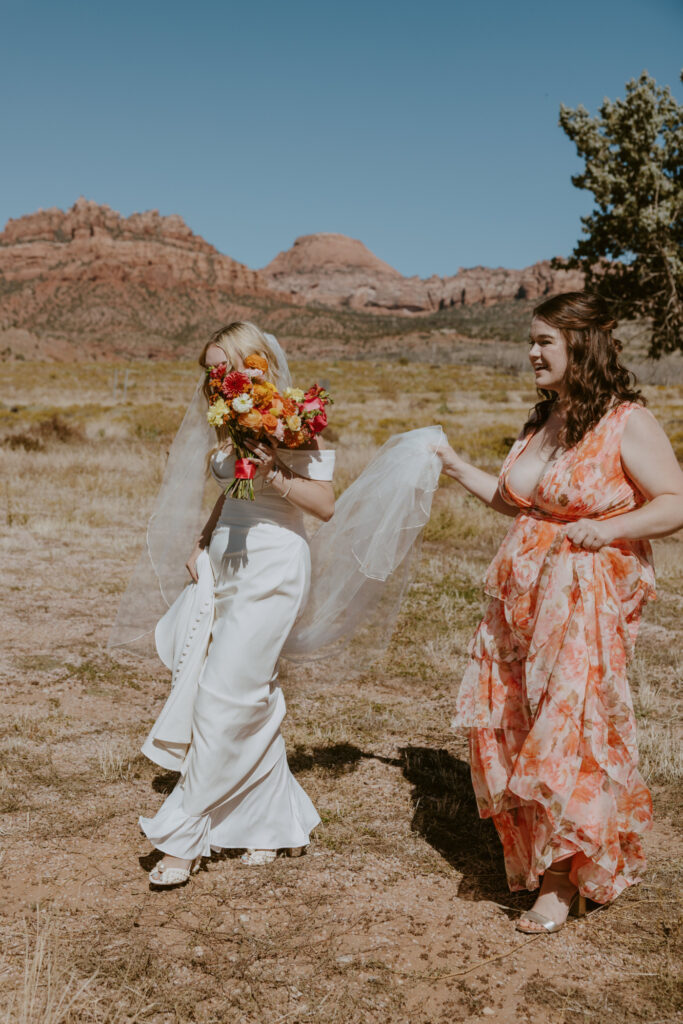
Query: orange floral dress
{"type": "Point", "coordinates": [545, 696]}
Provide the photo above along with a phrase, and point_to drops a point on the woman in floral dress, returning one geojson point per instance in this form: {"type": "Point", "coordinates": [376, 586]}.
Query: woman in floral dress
{"type": "Point", "coordinates": [545, 697]}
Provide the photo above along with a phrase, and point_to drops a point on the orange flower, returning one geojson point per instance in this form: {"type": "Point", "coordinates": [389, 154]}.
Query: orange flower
{"type": "Point", "coordinates": [269, 422]}
{"type": "Point", "coordinates": [250, 420]}
{"type": "Point", "coordinates": [256, 362]}
{"type": "Point", "coordinates": [289, 406]}
{"type": "Point", "coordinates": [277, 406]}
{"type": "Point", "coordinates": [293, 440]}
{"type": "Point", "coordinates": [262, 394]}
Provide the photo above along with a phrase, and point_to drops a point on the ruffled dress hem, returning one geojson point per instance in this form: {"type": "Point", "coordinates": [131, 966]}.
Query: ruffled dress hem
{"type": "Point", "coordinates": [273, 814]}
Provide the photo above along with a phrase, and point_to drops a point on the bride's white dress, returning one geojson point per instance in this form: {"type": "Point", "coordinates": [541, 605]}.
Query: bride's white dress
{"type": "Point", "coordinates": [236, 789]}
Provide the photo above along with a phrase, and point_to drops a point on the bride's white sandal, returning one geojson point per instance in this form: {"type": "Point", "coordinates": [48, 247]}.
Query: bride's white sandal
{"type": "Point", "coordinates": [257, 858]}
{"type": "Point", "coordinates": [165, 878]}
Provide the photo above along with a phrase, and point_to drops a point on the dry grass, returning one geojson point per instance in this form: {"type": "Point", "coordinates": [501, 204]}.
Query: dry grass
{"type": "Point", "coordinates": [397, 915]}
{"type": "Point", "coordinates": [52, 990]}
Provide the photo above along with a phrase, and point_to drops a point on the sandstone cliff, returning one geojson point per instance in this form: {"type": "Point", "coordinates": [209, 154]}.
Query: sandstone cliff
{"type": "Point", "coordinates": [88, 283]}
{"type": "Point", "coordinates": [92, 277]}
{"type": "Point", "coordinates": [338, 271]}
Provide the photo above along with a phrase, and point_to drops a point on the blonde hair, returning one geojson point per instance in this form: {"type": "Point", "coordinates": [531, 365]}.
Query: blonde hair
{"type": "Point", "coordinates": [239, 340]}
{"type": "Point", "coordinates": [242, 339]}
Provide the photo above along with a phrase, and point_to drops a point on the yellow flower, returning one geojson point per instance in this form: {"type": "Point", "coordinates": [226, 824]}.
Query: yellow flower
{"type": "Point", "coordinates": [262, 393]}
{"type": "Point", "coordinates": [295, 393]}
{"type": "Point", "coordinates": [217, 413]}
{"type": "Point", "coordinates": [293, 422]}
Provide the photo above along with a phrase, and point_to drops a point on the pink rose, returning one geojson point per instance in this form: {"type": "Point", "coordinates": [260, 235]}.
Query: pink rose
{"type": "Point", "coordinates": [313, 403]}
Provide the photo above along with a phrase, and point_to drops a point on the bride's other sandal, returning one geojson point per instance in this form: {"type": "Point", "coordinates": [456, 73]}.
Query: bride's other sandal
{"type": "Point", "coordinates": [257, 858]}
{"type": "Point", "coordinates": [547, 924]}
{"type": "Point", "coordinates": [260, 857]}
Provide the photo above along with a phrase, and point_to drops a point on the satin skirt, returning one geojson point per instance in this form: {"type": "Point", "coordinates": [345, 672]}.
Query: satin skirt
{"type": "Point", "coordinates": [236, 789]}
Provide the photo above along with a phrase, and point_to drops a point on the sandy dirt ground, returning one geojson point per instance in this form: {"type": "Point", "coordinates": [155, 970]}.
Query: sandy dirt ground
{"type": "Point", "coordinates": [399, 913]}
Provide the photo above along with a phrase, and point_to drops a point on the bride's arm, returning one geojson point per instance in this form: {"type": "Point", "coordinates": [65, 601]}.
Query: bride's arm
{"type": "Point", "coordinates": [313, 496]}
{"type": "Point", "coordinates": [204, 538]}
{"type": "Point", "coordinates": [481, 484]}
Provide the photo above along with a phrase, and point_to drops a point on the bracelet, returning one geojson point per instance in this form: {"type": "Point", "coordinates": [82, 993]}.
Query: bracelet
{"type": "Point", "coordinates": [269, 477]}
{"type": "Point", "coordinates": [291, 482]}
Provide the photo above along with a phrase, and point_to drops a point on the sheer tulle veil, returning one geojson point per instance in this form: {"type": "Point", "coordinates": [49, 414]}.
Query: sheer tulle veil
{"type": "Point", "coordinates": [175, 521]}
{"type": "Point", "coordinates": [361, 559]}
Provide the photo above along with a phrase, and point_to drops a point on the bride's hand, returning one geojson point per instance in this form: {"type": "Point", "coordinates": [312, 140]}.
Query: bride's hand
{"type": "Point", "coordinates": [450, 460]}
{"type": "Point", "coordinates": [263, 456]}
{"type": "Point", "coordinates": [191, 563]}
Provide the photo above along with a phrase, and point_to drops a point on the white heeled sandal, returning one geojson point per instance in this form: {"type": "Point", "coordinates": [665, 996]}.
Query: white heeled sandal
{"type": "Point", "coordinates": [257, 858]}
{"type": "Point", "coordinates": [166, 877]}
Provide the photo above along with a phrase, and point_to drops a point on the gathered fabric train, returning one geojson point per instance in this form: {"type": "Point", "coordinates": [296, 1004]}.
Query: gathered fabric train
{"type": "Point", "coordinates": [220, 726]}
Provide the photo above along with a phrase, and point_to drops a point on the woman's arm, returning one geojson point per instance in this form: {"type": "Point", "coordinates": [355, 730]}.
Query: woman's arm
{"type": "Point", "coordinates": [313, 496]}
{"type": "Point", "coordinates": [649, 461]}
{"type": "Point", "coordinates": [479, 483]}
{"type": "Point", "coordinates": [204, 538]}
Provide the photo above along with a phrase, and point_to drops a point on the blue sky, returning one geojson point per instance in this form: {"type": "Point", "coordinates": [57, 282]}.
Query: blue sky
{"type": "Point", "coordinates": [426, 129]}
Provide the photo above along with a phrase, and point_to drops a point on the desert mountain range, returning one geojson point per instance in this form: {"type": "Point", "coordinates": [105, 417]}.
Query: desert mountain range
{"type": "Point", "coordinates": [339, 271]}
{"type": "Point", "coordinates": [88, 282]}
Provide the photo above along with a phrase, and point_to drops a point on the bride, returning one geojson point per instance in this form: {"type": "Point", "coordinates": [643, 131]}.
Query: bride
{"type": "Point", "coordinates": [236, 789]}
{"type": "Point", "coordinates": [260, 590]}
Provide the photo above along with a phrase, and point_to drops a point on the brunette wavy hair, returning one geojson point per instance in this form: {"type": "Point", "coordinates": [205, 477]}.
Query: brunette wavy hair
{"type": "Point", "coordinates": [595, 380]}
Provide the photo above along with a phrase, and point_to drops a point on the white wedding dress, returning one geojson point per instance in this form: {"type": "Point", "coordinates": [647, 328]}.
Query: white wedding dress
{"type": "Point", "coordinates": [221, 724]}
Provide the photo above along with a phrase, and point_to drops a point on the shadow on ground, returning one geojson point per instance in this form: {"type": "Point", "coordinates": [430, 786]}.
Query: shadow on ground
{"type": "Point", "coordinates": [335, 759]}
{"type": "Point", "coordinates": [165, 782]}
{"type": "Point", "coordinates": [446, 815]}
{"type": "Point", "coordinates": [445, 812]}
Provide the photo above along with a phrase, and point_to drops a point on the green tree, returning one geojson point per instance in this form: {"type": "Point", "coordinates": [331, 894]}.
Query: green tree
{"type": "Point", "coordinates": [633, 249]}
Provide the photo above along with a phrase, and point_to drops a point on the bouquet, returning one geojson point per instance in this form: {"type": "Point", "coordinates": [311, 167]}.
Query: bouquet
{"type": "Point", "coordinates": [252, 409]}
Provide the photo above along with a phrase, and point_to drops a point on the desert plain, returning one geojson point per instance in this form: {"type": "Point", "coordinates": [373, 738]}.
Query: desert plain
{"type": "Point", "coordinates": [399, 913]}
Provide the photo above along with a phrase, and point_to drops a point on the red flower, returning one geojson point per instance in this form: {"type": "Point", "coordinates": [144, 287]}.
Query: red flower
{"type": "Point", "coordinates": [235, 383]}
{"type": "Point", "coordinates": [318, 422]}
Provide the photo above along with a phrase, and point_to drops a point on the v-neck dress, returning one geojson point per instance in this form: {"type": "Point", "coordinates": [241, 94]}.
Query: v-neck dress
{"type": "Point", "coordinates": [545, 695]}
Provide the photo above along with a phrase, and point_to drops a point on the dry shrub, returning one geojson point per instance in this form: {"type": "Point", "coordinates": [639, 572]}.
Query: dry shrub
{"type": "Point", "coordinates": [43, 433]}
{"type": "Point", "coordinates": [156, 421]}
{"type": "Point", "coordinates": [24, 440]}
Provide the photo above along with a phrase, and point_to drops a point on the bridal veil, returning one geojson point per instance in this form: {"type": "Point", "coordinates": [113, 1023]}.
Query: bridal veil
{"type": "Point", "coordinates": [361, 560]}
